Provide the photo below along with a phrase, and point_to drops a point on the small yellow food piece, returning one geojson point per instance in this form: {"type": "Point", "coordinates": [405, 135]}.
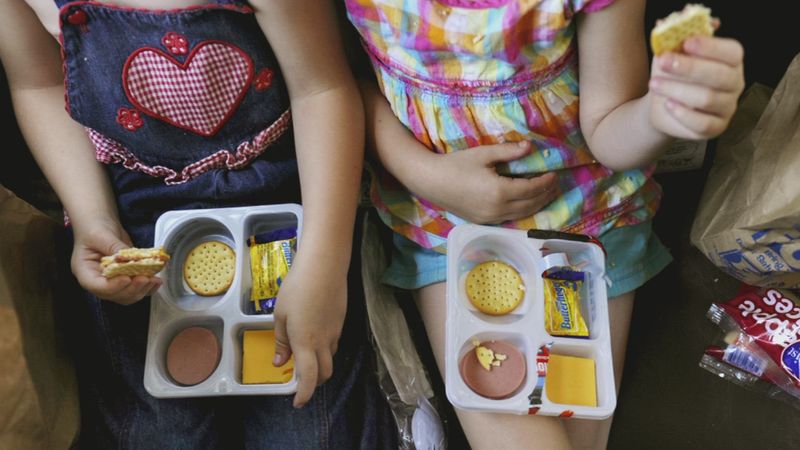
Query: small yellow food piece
{"type": "Point", "coordinates": [670, 32]}
{"type": "Point", "coordinates": [485, 357]}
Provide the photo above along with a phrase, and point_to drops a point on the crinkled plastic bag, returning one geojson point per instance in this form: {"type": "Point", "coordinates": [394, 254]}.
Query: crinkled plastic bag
{"type": "Point", "coordinates": [401, 375]}
{"type": "Point", "coordinates": [759, 347]}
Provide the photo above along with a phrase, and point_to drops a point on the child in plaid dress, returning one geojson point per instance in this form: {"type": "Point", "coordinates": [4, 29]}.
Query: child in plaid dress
{"type": "Point", "coordinates": [476, 118]}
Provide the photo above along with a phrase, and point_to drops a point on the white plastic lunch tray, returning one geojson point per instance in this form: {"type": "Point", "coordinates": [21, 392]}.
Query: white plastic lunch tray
{"type": "Point", "coordinates": [175, 307]}
{"type": "Point", "coordinates": [469, 245]}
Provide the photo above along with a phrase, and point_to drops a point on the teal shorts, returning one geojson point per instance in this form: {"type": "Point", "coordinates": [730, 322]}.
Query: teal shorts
{"type": "Point", "coordinates": [635, 254]}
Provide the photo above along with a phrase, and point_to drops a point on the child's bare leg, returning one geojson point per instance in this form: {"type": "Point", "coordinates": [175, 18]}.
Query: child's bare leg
{"type": "Point", "coordinates": [488, 430]}
{"type": "Point", "coordinates": [593, 434]}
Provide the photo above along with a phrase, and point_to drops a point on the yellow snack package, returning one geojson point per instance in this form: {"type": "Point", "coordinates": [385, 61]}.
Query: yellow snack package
{"type": "Point", "coordinates": [562, 303]}
{"type": "Point", "coordinates": [271, 257]}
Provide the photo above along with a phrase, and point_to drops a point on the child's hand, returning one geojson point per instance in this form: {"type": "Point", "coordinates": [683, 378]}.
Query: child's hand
{"type": "Point", "coordinates": [309, 315]}
{"type": "Point", "coordinates": [696, 92]}
{"type": "Point", "coordinates": [467, 183]}
{"type": "Point", "coordinates": [103, 239]}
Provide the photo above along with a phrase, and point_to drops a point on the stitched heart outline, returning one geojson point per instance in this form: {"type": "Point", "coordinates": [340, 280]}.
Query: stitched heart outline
{"type": "Point", "coordinates": [198, 95]}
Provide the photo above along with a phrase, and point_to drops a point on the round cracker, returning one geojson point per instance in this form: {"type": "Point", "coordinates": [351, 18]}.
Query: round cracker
{"type": "Point", "coordinates": [495, 288]}
{"type": "Point", "coordinates": [209, 268]}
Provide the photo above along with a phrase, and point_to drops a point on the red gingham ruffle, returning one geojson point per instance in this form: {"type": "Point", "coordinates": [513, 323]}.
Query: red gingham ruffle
{"type": "Point", "coordinates": [109, 151]}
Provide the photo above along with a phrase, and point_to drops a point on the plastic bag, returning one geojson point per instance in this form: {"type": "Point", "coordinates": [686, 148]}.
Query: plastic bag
{"type": "Point", "coordinates": [759, 346]}
{"type": "Point", "coordinates": [401, 375]}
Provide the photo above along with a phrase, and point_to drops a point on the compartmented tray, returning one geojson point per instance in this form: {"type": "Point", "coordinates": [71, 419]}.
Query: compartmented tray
{"type": "Point", "coordinates": [176, 307]}
{"type": "Point", "coordinates": [524, 327]}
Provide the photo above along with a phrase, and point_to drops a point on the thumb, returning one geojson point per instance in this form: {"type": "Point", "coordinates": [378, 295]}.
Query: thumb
{"type": "Point", "coordinates": [116, 245]}
{"type": "Point", "coordinates": [502, 153]}
{"type": "Point", "coordinates": [282, 349]}
{"type": "Point", "coordinates": [108, 242]}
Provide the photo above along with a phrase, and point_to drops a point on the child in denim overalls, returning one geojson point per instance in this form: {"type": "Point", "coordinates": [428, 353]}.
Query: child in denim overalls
{"type": "Point", "coordinates": [470, 90]}
{"type": "Point", "coordinates": [187, 107]}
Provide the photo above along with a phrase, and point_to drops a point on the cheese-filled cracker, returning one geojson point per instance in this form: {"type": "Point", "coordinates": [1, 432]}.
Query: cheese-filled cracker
{"type": "Point", "coordinates": [670, 32]}
{"type": "Point", "coordinates": [134, 262]}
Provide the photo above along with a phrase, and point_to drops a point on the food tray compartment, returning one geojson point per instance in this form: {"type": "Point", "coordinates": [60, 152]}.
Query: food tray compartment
{"type": "Point", "coordinates": [589, 259]}
{"type": "Point", "coordinates": [486, 248]}
{"type": "Point", "coordinates": [157, 377]}
{"type": "Point", "coordinates": [604, 380]}
{"type": "Point", "coordinates": [235, 370]}
{"type": "Point", "coordinates": [462, 396]}
{"type": "Point", "coordinates": [178, 244]}
{"type": "Point", "coordinates": [257, 223]}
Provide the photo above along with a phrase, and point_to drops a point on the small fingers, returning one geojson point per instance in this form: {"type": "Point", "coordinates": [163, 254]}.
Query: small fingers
{"type": "Point", "coordinates": [526, 188]}
{"type": "Point", "coordinates": [101, 286]}
{"type": "Point", "coordinates": [700, 125]}
{"type": "Point", "coordinates": [697, 97]}
{"type": "Point", "coordinates": [519, 209]}
{"type": "Point", "coordinates": [503, 153]}
{"type": "Point", "coordinates": [132, 293]}
{"type": "Point", "coordinates": [700, 71]}
{"type": "Point", "coordinates": [155, 284]}
{"type": "Point", "coordinates": [325, 366]}
{"type": "Point", "coordinates": [119, 289]}
{"type": "Point", "coordinates": [307, 370]}
{"type": "Point", "coordinates": [515, 198]}
{"type": "Point", "coordinates": [725, 50]}
{"type": "Point", "coordinates": [283, 350]}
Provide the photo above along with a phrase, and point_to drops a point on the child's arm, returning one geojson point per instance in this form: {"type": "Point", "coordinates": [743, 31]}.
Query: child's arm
{"type": "Point", "coordinates": [464, 182]}
{"type": "Point", "coordinates": [33, 66]}
{"type": "Point", "coordinates": [691, 96]}
{"type": "Point", "coordinates": [328, 129]}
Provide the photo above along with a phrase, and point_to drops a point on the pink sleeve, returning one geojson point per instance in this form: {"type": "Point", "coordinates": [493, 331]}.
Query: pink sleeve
{"type": "Point", "coordinates": [590, 6]}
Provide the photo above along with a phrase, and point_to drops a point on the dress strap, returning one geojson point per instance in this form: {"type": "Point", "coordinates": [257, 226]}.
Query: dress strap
{"type": "Point", "coordinates": [60, 3]}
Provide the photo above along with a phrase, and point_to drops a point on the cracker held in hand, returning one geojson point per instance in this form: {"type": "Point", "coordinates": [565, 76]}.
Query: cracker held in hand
{"type": "Point", "coordinates": [495, 288]}
{"type": "Point", "coordinates": [209, 268]}
{"type": "Point", "coordinates": [670, 32]}
{"type": "Point", "coordinates": [134, 262]}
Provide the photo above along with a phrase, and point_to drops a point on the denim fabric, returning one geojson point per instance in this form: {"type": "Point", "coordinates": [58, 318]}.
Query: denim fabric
{"type": "Point", "coordinates": [348, 411]}
{"type": "Point", "coordinates": [95, 54]}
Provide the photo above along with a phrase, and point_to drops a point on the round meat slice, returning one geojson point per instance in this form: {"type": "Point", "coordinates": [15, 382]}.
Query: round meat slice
{"type": "Point", "coordinates": [193, 355]}
{"type": "Point", "coordinates": [506, 373]}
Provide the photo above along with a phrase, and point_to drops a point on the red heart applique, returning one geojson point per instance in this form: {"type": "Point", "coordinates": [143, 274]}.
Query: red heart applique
{"type": "Point", "coordinates": [198, 95]}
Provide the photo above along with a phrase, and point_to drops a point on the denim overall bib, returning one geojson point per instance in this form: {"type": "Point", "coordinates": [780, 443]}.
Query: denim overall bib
{"type": "Point", "coordinates": [188, 109]}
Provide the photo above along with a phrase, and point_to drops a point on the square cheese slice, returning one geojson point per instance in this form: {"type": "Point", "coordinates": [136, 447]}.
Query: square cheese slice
{"type": "Point", "coordinates": [258, 347]}
{"type": "Point", "coordinates": [571, 380]}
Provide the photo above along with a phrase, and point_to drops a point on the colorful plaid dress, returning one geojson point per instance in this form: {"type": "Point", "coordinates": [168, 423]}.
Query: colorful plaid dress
{"type": "Point", "coordinates": [461, 73]}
